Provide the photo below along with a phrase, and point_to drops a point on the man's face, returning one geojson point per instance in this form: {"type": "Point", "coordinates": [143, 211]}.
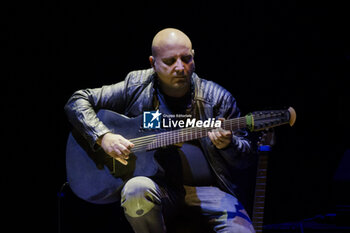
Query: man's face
{"type": "Point", "coordinates": [174, 65]}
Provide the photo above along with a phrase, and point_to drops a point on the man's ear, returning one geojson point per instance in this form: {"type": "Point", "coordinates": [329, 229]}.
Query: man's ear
{"type": "Point", "coordinates": [151, 61]}
{"type": "Point", "coordinates": [192, 52]}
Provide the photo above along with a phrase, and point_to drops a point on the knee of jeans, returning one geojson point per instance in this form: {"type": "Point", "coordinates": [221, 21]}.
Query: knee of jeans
{"type": "Point", "coordinates": [139, 196]}
{"type": "Point", "coordinates": [237, 224]}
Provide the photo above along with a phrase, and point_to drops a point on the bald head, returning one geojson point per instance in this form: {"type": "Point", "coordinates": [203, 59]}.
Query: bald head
{"type": "Point", "coordinates": [169, 37]}
{"type": "Point", "coordinates": [172, 60]}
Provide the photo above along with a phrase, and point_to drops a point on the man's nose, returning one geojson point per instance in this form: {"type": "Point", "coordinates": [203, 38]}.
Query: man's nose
{"type": "Point", "coordinates": [178, 65]}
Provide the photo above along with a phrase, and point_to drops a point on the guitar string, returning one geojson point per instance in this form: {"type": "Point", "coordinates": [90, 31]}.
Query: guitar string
{"type": "Point", "coordinates": [175, 133]}
{"type": "Point", "coordinates": [187, 133]}
{"type": "Point", "coordinates": [152, 137]}
{"type": "Point", "coordinates": [170, 137]}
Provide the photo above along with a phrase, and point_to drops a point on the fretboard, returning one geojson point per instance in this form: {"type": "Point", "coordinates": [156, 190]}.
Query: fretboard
{"type": "Point", "coordinates": [260, 190]}
{"type": "Point", "coordinates": [177, 136]}
{"type": "Point", "coordinates": [191, 133]}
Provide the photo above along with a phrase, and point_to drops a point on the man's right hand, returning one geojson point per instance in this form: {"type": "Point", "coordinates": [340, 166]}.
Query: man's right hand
{"type": "Point", "coordinates": [116, 146]}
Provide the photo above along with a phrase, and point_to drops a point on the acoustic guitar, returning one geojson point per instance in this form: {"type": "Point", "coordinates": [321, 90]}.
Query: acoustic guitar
{"type": "Point", "coordinates": [95, 177]}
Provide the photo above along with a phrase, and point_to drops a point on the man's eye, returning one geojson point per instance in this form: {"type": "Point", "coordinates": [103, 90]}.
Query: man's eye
{"type": "Point", "coordinates": [187, 58]}
{"type": "Point", "coordinates": [169, 61]}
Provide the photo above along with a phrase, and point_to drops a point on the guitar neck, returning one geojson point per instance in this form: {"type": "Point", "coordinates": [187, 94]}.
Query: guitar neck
{"type": "Point", "coordinates": [260, 191]}
{"type": "Point", "coordinates": [253, 122]}
{"type": "Point", "coordinates": [187, 134]}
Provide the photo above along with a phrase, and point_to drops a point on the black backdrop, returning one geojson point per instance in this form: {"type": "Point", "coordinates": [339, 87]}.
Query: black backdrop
{"type": "Point", "coordinates": [269, 54]}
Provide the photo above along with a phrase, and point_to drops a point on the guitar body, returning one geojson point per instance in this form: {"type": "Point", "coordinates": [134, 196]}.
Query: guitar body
{"type": "Point", "coordinates": [90, 172]}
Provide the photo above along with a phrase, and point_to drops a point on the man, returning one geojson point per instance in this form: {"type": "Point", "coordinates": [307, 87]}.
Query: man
{"type": "Point", "coordinates": [198, 176]}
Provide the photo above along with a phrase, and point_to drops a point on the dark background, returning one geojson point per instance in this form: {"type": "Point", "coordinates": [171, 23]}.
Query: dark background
{"type": "Point", "coordinates": [268, 54]}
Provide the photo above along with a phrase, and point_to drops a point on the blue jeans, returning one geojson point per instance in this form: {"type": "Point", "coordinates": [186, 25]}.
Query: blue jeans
{"type": "Point", "coordinates": [147, 206]}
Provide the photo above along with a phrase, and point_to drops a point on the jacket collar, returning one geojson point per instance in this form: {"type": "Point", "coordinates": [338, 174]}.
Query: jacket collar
{"type": "Point", "coordinates": [154, 85]}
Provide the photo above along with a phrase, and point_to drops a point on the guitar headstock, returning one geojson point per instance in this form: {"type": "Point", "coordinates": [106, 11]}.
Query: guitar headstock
{"type": "Point", "coordinates": [262, 120]}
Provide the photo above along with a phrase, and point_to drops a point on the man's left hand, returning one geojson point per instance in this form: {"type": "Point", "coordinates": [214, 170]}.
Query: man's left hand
{"type": "Point", "coordinates": [220, 138]}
